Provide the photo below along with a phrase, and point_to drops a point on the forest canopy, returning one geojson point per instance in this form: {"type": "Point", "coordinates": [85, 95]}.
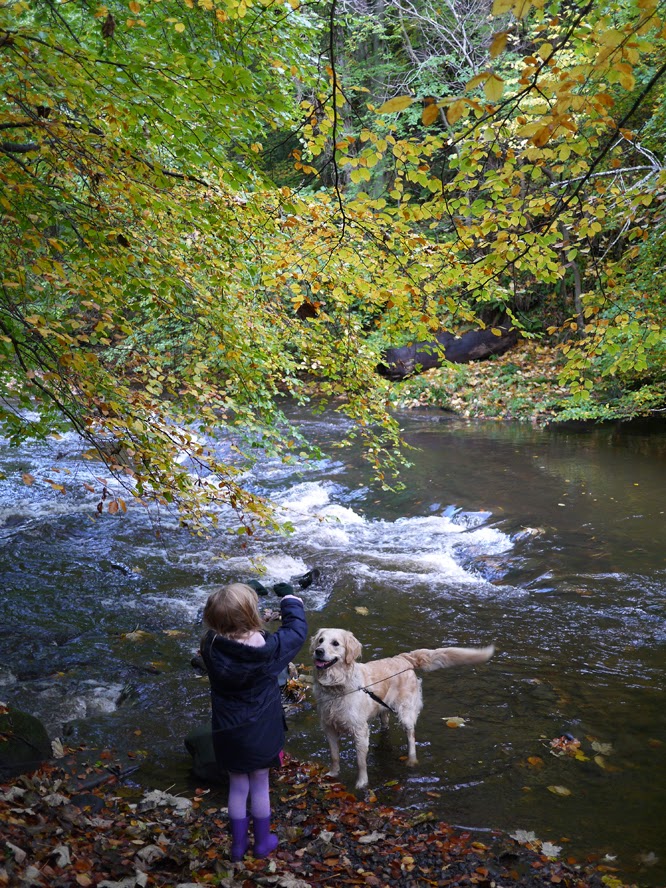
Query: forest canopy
{"type": "Point", "coordinates": [211, 208]}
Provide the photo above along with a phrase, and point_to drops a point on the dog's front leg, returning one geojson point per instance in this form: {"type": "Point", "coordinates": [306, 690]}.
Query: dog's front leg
{"type": "Point", "coordinates": [362, 742]}
{"type": "Point", "coordinates": [334, 746]}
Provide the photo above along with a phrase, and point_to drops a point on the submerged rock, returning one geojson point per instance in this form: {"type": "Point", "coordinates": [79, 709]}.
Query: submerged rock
{"type": "Point", "coordinates": [26, 743]}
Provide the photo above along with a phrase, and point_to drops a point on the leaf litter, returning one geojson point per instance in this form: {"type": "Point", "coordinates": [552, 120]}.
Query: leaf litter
{"type": "Point", "coordinates": [106, 833]}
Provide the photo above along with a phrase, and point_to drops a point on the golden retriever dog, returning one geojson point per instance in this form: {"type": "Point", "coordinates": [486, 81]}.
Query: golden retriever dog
{"type": "Point", "coordinates": [349, 693]}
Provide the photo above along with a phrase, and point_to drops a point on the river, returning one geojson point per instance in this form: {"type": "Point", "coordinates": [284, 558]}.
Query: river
{"type": "Point", "coordinates": [549, 544]}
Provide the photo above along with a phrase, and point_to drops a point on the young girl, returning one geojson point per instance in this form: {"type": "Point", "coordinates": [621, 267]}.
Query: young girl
{"type": "Point", "coordinates": [243, 663]}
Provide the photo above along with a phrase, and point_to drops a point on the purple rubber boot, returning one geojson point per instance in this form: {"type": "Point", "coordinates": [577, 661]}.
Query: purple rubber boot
{"type": "Point", "coordinates": [239, 837]}
{"type": "Point", "coordinates": [265, 842]}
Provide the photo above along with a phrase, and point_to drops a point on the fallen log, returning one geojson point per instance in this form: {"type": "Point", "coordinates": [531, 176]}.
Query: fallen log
{"type": "Point", "coordinates": [474, 345]}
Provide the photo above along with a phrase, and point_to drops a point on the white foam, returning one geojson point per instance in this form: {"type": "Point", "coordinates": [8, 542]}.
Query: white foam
{"type": "Point", "coordinates": [422, 548]}
{"type": "Point", "coordinates": [304, 498]}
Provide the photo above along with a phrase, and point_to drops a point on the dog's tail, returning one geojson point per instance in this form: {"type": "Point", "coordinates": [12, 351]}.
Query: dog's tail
{"type": "Point", "coordinates": [441, 658]}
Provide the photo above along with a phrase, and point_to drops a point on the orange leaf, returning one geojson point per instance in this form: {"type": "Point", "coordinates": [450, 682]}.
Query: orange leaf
{"type": "Point", "coordinates": [430, 114]}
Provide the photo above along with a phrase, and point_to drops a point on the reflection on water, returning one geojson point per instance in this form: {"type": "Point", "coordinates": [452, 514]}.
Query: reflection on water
{"type": "Point", "coordinates": [550, 545]}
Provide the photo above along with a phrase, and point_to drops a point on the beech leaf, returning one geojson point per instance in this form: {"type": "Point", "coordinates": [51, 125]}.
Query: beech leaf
{"type": "Point", "coordinates": [454, 721]}
{"type": "Point", "coordinates": [559, 790]}
{"type": "Point", "coordinates": [498, 44]}
{"type": "Point", "coordinates": [430, 114]}
{"type": "Point", "coordinates": [136, 635]}
{"type": "Point", "coordinates": [493, 88]}
{"type": "Point", "coordinates": [399, 103]}
{"type": "Point", "coordinates": [371, 838]}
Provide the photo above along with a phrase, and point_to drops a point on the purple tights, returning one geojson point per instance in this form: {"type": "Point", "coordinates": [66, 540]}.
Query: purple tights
{"type": "Point", "coordinates": [254, 785]}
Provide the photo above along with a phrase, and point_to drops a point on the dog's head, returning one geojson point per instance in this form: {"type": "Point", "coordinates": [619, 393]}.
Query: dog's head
{"type": "Point", "coordinates": [334, 652]}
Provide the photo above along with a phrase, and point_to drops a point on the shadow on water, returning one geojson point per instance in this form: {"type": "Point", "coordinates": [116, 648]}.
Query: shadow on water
{"type": "Point", "coordinates": [549, 544]}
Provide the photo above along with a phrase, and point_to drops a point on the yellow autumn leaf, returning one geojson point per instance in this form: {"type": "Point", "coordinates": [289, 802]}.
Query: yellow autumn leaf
{"type": "Point", "coordinates": [430, 114]}
{"type": "Point", "coordinates": [135, 7]}
{"type": "Point", "coordinates": [454, 721]}
{"type": "Point", "coordinates": [559, 790]}
{"type": "Point", "coordinates": [477, 80]}
{"type": "Point", "coordinates": [28, 479]}
{"type": "Point", "coordinates": [493, 88]}
{"type": "Point", "coordinates": [521, 8]}
{"type": "Point", "coordinates": [498, 44]}
{"type": "Point", "coordinates": [455, 111]}
{"type": "Point", "coordinates": [363, 611]}
{"type": "Point", "coordinates": [612, 37]}
{"type": "Point", "coordinates": [627, 81]}
{"type": "Point", "coordinates": [399, 103]}
{"type": "Point", "coordinates": [180, 27]}
{"type": "Point", "coordinates": [542, 136]}
{"type": "Point", "coordinates": [135, 635]}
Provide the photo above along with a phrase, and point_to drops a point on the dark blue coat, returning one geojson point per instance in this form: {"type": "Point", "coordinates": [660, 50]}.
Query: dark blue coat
{"type": "Point", "coordinates": [247, 717]}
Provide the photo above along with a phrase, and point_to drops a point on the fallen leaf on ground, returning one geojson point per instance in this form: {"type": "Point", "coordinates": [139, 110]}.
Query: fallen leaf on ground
{"type": "Point", "coordinates": [371, 838]}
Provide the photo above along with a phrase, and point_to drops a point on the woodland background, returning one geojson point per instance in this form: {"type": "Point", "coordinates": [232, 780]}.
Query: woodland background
{"type": "Point", "coordinates": [213, 207]}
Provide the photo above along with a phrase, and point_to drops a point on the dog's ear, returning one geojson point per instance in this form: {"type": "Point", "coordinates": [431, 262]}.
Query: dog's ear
{"type": "Point", "coordinates": [353, 648]}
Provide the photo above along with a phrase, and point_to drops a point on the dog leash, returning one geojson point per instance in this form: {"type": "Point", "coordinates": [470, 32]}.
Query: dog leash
{"type": "Point", "coordinates": [373, 695]}
{"type": "Point", "coordinates": [378, 699]}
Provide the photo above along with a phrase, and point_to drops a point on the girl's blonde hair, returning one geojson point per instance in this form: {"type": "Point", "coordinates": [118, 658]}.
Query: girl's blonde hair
{"type": "Point", "coordinates": [233, 611]}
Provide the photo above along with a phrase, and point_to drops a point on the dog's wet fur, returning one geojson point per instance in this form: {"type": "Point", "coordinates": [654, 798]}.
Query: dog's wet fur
{"type": "Point", "coordinates": [346, 709]}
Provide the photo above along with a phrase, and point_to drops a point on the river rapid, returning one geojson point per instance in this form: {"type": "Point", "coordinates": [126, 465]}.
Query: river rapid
{"type": "Point", "coordinates": [549, 544]}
